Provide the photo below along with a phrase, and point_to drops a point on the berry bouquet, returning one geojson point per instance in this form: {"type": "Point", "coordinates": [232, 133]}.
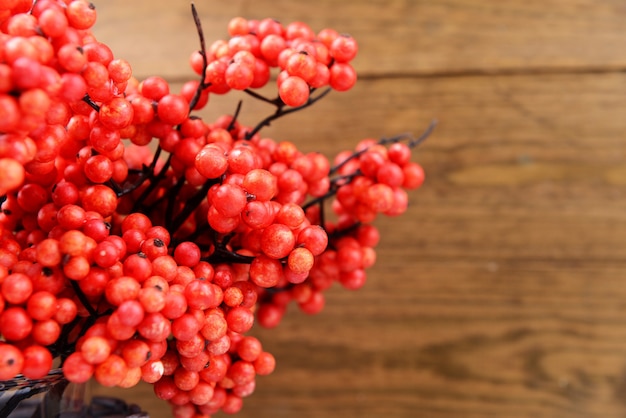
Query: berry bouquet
{"type": "Point", "coordinates": [139, 242]}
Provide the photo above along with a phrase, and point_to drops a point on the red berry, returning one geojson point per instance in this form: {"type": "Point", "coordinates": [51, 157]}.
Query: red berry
{"type": "Point", "coordinates": [240, 319]}
{"type": "Point", "coordinates": [265, 271]}
{"type": "Point", "coordinates": [111, 371]}
{"type": "Point", "coordinates": [100, 199]}
{"type": "Point", "coordinates": [172, 109]}
{"type": "Point", "coordinates": [76, 369]}
{"type": "Point", "coordinates": [264, 364]}
{"type": "Point", "coordinates": [343, 48]}
{"type": "Point", "coordinates": [116, 114]}
{"type": "Point", "coordinates": [294, 91]}
{"type": "Point", "coordinates": [342, 76]}
{"type": "Point", "coordinates": [277, 241]}
{"type": "Point", "coordinates": [12, 173]}
{"type": "Point", "coordinates": [11, 361]}
{"type": "Point", "coordinates": [261, 184]}
{"type": "Point", "coordinates": [80, 14]}
{"type": "Point", "coordinates": [95, 349]}
{"type": "Point", "coordinates": [210, 161]}
{"type": "Point", "coordinates": [187, 254]}
{"type": "Point", "coordinates": [15, 323]}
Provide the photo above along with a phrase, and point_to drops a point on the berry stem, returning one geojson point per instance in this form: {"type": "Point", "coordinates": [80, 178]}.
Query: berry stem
{"type": "Point", "coordinates": [343, 231]}
{"type": "Point", "coordinates": [233, 121]}
{"type": "Point", "coordinates": [276, 102]}
{"type": "Point", "coordinates": [197, 233]}
{"type": "Point", "coordinates": [91, 103]}
{"type": "Point", "coordinates": [155, 158]}
{"type": "Point", "coordinates": [147, 172]}
{"type": "Point", "coordinates": [116, 187]}
{"type": "Point", "coordinates": [190, 205]}
{"type": "Point", "coordinates": [431, 127]}
{"type": "Point", "coordinates": [63, 347]}
{"type": "Point", "coordinates": [334, 185]}
{"type": "Point", "coordinates": [171, 201]}
{"type": "Point", "coordinates": [198, 23]}
{"type": "Point", "coordinates": [281, 111]}
{"type": "Point", "coordinates": [203, 84]}
{"type": "Point", "coordinates": [223, 255]}
{"type": "Point", "coordinates": [83, 299]}
{"type": "Point", "coordinates": [154, 181]}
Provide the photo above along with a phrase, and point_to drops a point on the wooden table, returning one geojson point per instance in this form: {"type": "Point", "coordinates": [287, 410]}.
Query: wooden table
{"type": "Point", "coordinates": [501, 293]}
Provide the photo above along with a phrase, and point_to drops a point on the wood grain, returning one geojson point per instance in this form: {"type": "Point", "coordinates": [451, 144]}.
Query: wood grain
{"type": "Point", "coordinates": [500, 292]}
{"type": "Point", "coordinates": [396, 36]}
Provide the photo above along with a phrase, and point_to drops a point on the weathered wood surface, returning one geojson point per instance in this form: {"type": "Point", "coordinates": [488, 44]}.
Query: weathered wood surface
{"type": "Point", "coordinates": [501, 293]}
{"type": "Point", "coordinates": [396, 36]}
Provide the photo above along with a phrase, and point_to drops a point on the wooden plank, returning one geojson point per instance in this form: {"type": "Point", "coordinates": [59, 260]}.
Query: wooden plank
{"type": "Point", "coordinates": [396, 36]}
{"type": "Point", "coordinates": [482, 119]}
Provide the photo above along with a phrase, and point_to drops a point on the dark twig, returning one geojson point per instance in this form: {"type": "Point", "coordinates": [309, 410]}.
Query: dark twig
{"type": "Point", "coordinates": [119, 192]}
{"type": "Point", "coordinates": [223, 255]}
{"type": "Point", "coordinates": [154, 182]}
{"type": "Point", "coordinates": [338, 233]}
{"type": "Point", "coordinates": [233, 121]}
{"type": "Point", "coordinates": [203, 84]}
{"type": "Point", "coordinates": [171, 196]}
{"type": "Point", "coordinates": [335, 184]}
{"type": "Point", "coordinates": [190, 205]}
{"type": "Point", "coordinates": [276, 102]}
{"type": "Point", "coordinates": [155, 158]}
{"type": "Point", "coordinates": [91, 103]}
{"type": "Point", "coordinates": [282, 111]}
{"type": "Point", "coordinates": [431, 127]}
{"type": "Point", "coordinates": [83, 299]}
{"type": "Point", "coordinates": [198, 23]}
{"type": "Point", "coordinates": [197, 233]}
{"type": "Point", "coordinates": [63, 347]}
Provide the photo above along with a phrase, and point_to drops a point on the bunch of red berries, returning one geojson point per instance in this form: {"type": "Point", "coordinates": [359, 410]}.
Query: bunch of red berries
{"type": "Point", "coordinates": [140, 242]}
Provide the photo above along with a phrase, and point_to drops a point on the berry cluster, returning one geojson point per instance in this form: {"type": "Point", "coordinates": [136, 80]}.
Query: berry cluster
{"type": "Point", "coordinates": [140, 242]}
{"type": "Point", "coordinates": [306, 60]}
